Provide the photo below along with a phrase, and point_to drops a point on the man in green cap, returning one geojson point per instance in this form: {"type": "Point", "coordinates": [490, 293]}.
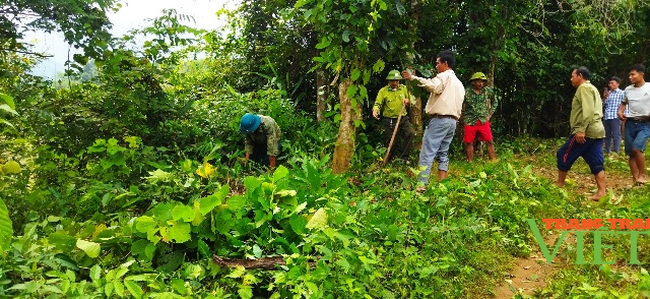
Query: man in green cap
{"type": "Point", "coordinates": [478, 108]}
{"type": "Point", "coordinates": [390, 100]}
{"type": "Point", "coordinates": [262, 138]}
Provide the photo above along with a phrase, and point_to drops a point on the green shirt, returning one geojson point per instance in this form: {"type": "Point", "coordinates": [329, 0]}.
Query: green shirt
{"type": "Point", "coordinates": [476, 105]}
{"type": "Point", "coordinates": [389, 101]}
{"type": "Point", "coordinates": [268, 133]}
{"type": "Point", "coordinates": [587, 112]}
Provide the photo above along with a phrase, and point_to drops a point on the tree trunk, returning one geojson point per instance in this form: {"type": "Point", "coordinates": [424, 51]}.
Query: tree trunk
{"type": "Point", "coordinates": [322, 94]}
{"type": "Point", "coordinates": [415, 111]}
{"type": "Point", "coordinates": [347, 130]}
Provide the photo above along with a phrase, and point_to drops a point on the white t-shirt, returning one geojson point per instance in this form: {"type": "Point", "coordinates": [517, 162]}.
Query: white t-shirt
{"type": "Point", "coordinates": [638, 100]}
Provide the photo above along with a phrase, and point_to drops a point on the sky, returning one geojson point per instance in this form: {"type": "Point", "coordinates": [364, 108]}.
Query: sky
{"type": "Point", "coordinates": [133, 14]}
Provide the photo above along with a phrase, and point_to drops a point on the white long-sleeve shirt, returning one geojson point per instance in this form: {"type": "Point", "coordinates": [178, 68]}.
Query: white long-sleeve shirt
{"type": "Point", "coordinates": [447, 94]}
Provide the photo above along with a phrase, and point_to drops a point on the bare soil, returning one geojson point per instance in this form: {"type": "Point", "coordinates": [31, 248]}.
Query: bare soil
{"type": "Point", "coordinates": [532, 273]}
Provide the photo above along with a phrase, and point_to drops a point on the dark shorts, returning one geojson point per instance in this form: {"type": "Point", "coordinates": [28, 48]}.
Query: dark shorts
{"type": "Point", "coordinates": [260, 154]}
{"type": "Point", "coordinates": [591, 151]}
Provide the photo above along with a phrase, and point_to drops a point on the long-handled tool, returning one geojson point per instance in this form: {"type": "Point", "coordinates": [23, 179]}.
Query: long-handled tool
{"type": "Point", "coordinates": [390, 144]}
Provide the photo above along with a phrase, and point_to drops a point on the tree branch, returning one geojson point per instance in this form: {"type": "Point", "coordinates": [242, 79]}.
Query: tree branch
{"type": "Point", "coordinates": [26, 52]}
{"type": "Point", "coordinates": [267, 263]}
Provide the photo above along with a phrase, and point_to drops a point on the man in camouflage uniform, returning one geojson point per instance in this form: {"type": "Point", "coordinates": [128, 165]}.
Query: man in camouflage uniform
{"type": "Point", "coordinates": [262, 138]}
{"type": "Point", "coordinates": [479, 106]}
{"type": "Point", "coordinates": [390, 100]}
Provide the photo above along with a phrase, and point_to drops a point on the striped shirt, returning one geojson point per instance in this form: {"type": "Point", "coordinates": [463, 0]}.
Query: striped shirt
{"type": "Point", "coordinates": [611, 104]}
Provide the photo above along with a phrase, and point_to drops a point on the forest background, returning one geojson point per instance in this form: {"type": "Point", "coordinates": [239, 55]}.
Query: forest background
{"type": "Point", "coordinates": [124, 177]}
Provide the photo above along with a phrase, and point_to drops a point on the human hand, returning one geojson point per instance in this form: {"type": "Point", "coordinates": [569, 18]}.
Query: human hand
{"type": "Point", "coordinates": [407, 75]}
{"type": "Point", "coordinates": [580, 137]}
{"type": "Point", "coordinates": [406, 101]}
{"type": "Point", "coordinates": [375, 114]}
{"type": "Point", "coordinates": [621, 116]}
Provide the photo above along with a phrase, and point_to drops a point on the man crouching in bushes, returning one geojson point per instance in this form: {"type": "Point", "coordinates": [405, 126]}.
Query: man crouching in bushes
{"type": "Point", "coordinates": [262, 138]}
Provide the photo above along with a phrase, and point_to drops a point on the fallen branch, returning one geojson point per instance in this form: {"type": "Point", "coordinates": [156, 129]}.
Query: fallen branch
{"type": "Point", "coordinates": [268, 263]}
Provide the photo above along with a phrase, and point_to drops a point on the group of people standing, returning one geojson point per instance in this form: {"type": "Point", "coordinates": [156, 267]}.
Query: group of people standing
{"type": "Point", "coordinates": [450, 102]}
{"type": "Point", "coordinates": [590, 129]}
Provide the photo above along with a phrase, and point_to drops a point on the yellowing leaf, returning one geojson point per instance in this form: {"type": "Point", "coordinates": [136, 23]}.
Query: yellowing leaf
{"type": "Point", "coordinates": [98, 229]}
{"type": "Point", "coordinates": [318, 221]}
{"type": "Point", "coordinates": [11, 167]}
{"type": "Point", "coordinates": [159, 176]}
{"type": "Point", "coordinates": [90, 248]}
{"type": "Point", "coordinates": [206, 170]}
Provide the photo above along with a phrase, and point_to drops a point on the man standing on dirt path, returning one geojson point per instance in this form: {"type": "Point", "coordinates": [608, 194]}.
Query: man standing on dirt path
{"type": "Point", "coordinates": [444, 108]}
{"type": "Point", "coordinates": [610, 116]}
{"type": "Point", "coordinates": [262, 138]}
{"type": "Point", "coordinates": [637, 121]}
{"type": "Point", "coordinates": [390, 102]}
{"type": "Point", "coordinates": [587, 132]}
{"type": "Point", "coordinates": [480, 103]}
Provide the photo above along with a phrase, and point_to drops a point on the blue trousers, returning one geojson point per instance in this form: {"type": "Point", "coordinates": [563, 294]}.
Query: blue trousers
{"type": "Point", "coordinates": [435, 145]}
{"type": "Point", "coordinates": [612, 135]}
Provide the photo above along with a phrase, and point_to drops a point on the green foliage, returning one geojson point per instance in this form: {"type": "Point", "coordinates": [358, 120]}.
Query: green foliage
{"type": "Point", "coordinates": [83, 23]}
{"type": "Point", "coordinates": [7, 107]}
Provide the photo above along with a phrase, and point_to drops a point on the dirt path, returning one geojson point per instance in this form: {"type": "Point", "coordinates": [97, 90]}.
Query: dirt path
{"type": "Point", "coordinates": [529, 274]}
{"type": "Point", "coordinates": [532, 273]}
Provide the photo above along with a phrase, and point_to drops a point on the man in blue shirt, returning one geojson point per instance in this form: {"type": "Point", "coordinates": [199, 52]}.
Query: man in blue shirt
{"type": "Point", "coordinates": [610, 118]}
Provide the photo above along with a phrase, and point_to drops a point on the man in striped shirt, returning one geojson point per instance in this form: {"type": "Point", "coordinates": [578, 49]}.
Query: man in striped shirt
{"type": "Point", "coordinates": [610, 118]}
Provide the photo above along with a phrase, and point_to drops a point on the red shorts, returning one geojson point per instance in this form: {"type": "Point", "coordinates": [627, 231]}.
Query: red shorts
{"type": "Point", "coordinates": [483, 130]}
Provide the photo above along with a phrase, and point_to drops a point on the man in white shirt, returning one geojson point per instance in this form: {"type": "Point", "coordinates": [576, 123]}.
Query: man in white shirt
{"type": "Point", "coordinates": [637, 121]}
{"type": "Point", "coordinates": [444, 107]}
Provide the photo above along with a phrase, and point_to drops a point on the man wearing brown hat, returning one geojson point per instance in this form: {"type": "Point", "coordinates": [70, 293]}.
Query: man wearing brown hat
{"type": "Point", "coordinates": [478, 108]}
{"type": "Point", "coordinates": [390, 100]}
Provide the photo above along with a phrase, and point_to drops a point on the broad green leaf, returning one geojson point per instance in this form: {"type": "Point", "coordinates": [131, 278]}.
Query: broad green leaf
{"type": "Point", "coordinates": [92, 249]}
{"type": "Point", "coordinates": [204, 249]}
{"type": "Point", "coordinates": [237, 272]}
{"type": "Point", "coordinates": [8, 100]}
{"type": "Point", "coordinates": [378, 66]}
{"type": "Point", "coordinates": [133, 288]}
{"type": "Point", "coordinates": [149, 251]}
{"type": "Point", "coordinates": [318, 221]}
{"type": "Point", "coordinates": [324, 43]}
{"type": "Point", "coordinates": [346, 37]}
{"type": "Point", "coordinates": [356, 73]}
{"type": "Point", "coordinates": [180, 232]}
{"type": "Point", "coordinates": [6, 228]}
{"type": "Point", "coordinates": [280, 173]}
{"type": "Point", "coordinates": [179, 286]}
{"type": "Point", "coordinates": [298, 223]}
{"type": "Point", "coordinates": [252, 183]}
{"type": "Point", "coordinates": [183, 212]}
{"type": "Point", "coordinates": [283, 193]}
{"type": "Point", "coordinates": [119, 288]}
{"type": "Point", "coordinates": [8, 109]}
{"type": "Point", "coordinates": [62, 241]}
{"type": "Point", "coordinates": [11, 167]}
{"type": "Point", "coordinates": [108, 289]}
{"type": "Point", "coordinates": [207, 204]}
{"type": "Point", "coordinates": [96, 274]}
{"type": "Point", "coordinates": [257, 251]}
{"type": "Point", "coordinates": [145, 223]}
{"type": "Point", "coordinates": [245, 292]}
{"type": "Point", "coordinates": [159, 175]}
{"type": "Point", "coordinates": [352, 90]}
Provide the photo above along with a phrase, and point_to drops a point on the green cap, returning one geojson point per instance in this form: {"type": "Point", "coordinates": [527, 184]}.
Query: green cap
{"type": "Point", "coordinates": [478, 76]}
{"type": "Point", "coordinates": [394, 75]}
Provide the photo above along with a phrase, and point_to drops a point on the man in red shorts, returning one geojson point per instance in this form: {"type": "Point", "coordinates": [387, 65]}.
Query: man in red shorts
{"type": "Point", "coordinates": [479, 105]}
